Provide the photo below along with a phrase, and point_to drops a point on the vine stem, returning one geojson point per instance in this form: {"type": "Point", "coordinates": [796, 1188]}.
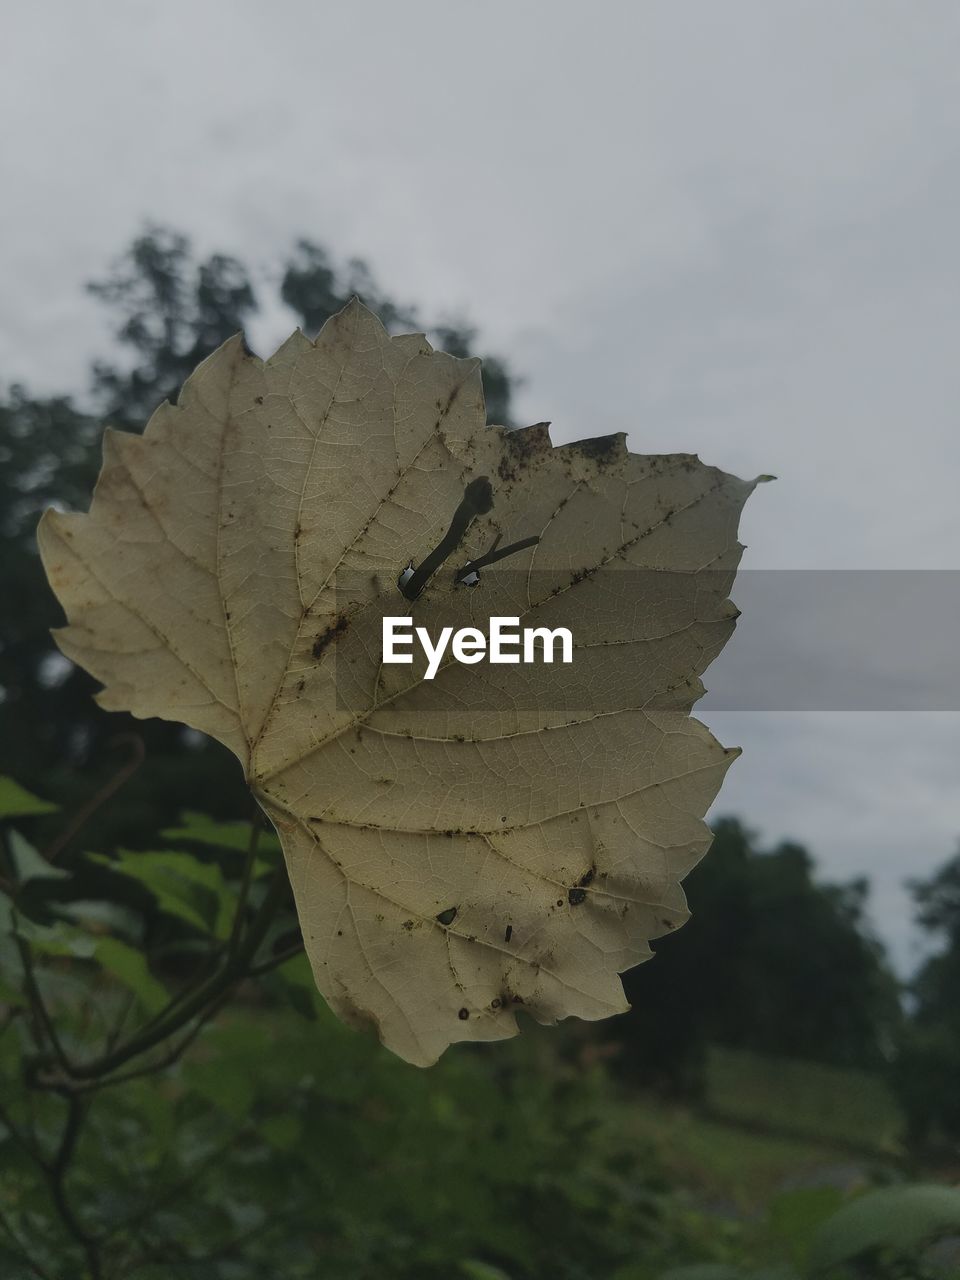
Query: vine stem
{"type": "Point", "coordinates": [184, 1010]}
{"type": "Point", "coordinates": [113, 784]}
{"type": "Point", "coordinates": [248, 864]}
{"type": "Point", "coordinates": [55, 1173]}
{"type": "Point", "coordinates": [38, 1005]}
{"type": "Point", "coordinates": [188, 1011]}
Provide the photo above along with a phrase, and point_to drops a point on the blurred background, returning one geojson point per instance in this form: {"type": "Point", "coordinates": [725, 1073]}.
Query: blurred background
{"type": "Point", "coordinates": [726, 229]}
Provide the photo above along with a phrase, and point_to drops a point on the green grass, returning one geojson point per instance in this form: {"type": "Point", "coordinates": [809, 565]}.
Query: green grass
{"type": "Point", "coordinates": [843, 1108]}
{"type": "Point", "coordinates": [767, 1125]}
{"type": "Point", "coordinates": [723, 1165]}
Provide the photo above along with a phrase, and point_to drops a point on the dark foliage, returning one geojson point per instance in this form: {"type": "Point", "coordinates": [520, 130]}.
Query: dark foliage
{"type": "Point", "coordinates": [928, 1068]}
{"type": "Point", "coordinates": [771, 961]}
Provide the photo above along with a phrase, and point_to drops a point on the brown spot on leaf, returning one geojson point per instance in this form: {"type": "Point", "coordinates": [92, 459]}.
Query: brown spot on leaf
{"type": "Point", "coordinates": [445, 407]}
{"type": "Point", "coordinates": [602, 449]}
{"type": "Point", "coordinates": [331, 633]}
{"type": "Point", "coordinates": [521, 446]}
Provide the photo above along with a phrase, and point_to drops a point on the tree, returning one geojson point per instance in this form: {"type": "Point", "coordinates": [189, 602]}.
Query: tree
{"type": "Point", "coordinates": [771, 961]}
{"type": "Point", "coordinates": [928, 1064]}
{"type": "Point", "coordinates": [313, 288]}
{"type": "Point", "coordinates": [173, 313]}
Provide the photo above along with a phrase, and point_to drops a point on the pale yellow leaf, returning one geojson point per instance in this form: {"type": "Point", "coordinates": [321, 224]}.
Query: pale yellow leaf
{"type": "Point", "coordinates": [496, 839]}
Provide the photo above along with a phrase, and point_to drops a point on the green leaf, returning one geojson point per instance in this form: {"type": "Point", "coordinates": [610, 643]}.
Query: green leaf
{"type": "Point", "coordinates": [123, 962]}
{"type": "Point", "coordinates": [473, 1269]}
{"type": "Point", "coordinates": [795, 1215]}
{"type": "Point", "coordinates": [56, 939]}
{"type": "Point", "coordinates": [98, 916]}
{"type": "Point", "coordinates": [15, 802]}
{"type": "Point", "coordinates": [129, 966]}
{"type": "Point", "coordinates": [282, 1131]}
{"type": "Point", "coordinates": [296, 981]}
{"type": "Point", "coordinates": [182, 885]}
{"type": "Point", "coordinates": [220, 835]}
{"type": "Point", "coordinates": [897, 1218]}
{"type": "Point", "coordinates": [28, 864]}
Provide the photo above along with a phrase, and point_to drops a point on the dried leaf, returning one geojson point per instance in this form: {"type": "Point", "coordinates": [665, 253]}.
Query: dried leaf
{"type": "Point", "coordinates": [498, 838]}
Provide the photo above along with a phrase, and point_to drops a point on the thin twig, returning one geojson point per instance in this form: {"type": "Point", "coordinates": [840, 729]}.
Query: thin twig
{"type": "Point", "coordinates": [237, 931]}
{"type": "Point", "coordinates": [113, 1035]}
{"type": "Point", "coordinates": [216, 954]}
{"type": "Point", "coordinates": [39, 1006]}
{"type": "Point", "coordinates": [160, 1064]}
{"type": "Point", "coordinates": [276, 961]}
{"type": "Point", "coordinates": [112, 785]}
{"type": "Point", "coordinates": [56, 1171]}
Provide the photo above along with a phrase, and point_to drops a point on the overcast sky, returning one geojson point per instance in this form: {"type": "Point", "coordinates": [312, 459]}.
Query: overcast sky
{"type": "Point", "coordinates": [728, 228]}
